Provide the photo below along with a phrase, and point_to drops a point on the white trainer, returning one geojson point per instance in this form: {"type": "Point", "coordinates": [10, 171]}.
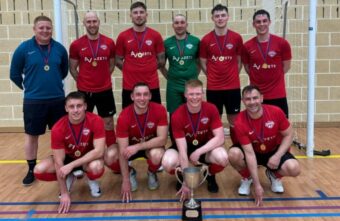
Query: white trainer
{"type": "Point", "coordinates": [244, 189]}
{"type": "Point", "coordinates": [94, 188]}
{"type": "Point", "coordinates": [277, 186]}
{"type": "Point", "coordinates": [133, 180]}
{"type": "Point", "coordinates": [226, 131]}
{"type": "Point", "coordinates": [152, 181]}
{"type": "Point", "coordinates": [70, 179]}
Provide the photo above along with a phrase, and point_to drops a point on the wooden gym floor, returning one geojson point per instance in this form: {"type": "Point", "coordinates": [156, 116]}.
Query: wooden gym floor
{"type": "Point", "coordinates": [314, 195]}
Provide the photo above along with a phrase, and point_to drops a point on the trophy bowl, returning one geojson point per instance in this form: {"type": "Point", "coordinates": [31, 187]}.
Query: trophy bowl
{"type": "Point", "coordinates": [193, 177]}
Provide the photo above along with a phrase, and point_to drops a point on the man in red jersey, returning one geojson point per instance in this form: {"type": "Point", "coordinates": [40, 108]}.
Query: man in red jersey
{"type": "Point", "coordinates": [140, 52]}
{"type": "Point", "coordinates": [220, 55]}
{"type": "Point", "coordinates": [265, 136]}
{"type": "Point", "coordinates": [142, 129]}
{"type": "Point", "coordinates": [91, 65]}
{"type": "Point", "coordinates": [266, 58]}
{"type": "Point", "coordinates": [198, 132]}
{"type": "Point", "coordinates": [77, 140]}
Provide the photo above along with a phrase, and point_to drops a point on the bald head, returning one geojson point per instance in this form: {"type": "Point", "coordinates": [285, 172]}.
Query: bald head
{"type": "Point", "coordinates": [91, 22]}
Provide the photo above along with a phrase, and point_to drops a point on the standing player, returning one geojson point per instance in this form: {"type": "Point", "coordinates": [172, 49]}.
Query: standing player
{"type": "Point", "coordinates": [220, 55]}
{"type": "Point", "coordinates": [181, 50]}
{"type": "Point", "coordinates": [265, 136]}
{"type": "Point", "coordinates": [91, 65]}
{"type": "Point", "coordinates": [266, 59]}
{"type": "Point", "coordinates": [142, 130]}
{"type": "Point", "coordinates": [77, 140]}
{"type": "Point", "coordinates": [198, 133]}
{"type": "Point", "coordinates": [140, 51]}
{"type": "Point", "coordinates": [38, 67]}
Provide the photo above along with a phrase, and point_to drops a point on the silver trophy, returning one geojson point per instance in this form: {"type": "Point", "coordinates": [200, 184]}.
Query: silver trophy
{"type": "Point", "coordinates": [193, 178]}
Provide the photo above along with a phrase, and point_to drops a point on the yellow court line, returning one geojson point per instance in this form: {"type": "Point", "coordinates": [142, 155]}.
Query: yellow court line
{"type": "Point", "coordinates": [334, 156]}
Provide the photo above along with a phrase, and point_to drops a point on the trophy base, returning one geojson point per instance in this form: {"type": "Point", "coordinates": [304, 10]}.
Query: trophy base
{"type": "Point", "coordinates": [194, 214]}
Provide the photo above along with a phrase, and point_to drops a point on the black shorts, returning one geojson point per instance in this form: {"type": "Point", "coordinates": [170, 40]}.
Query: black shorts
{"type": "Point", "coordinates": [263, 158]}
{"type": "Point", "coordinates": [104, 102]}
{"type": "Point", "coordinates": [41, 113]}
{"type": "Point", "coordinates": [68, 160]}
{"type": "Point", "coordinates": [126, 97]}
{"type": "Point", "coordinates": [230, 99]}
{"type": "Point", "coordinates": [139, 154]}
{"type": "Point", "coordinates": [280, 102]}
{"type": "Point", "coordinates": [190, 149]}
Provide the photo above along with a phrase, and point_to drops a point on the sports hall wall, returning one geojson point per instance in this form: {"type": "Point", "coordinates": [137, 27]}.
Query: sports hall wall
{"type": "Point", "coordinates": [16, 17]}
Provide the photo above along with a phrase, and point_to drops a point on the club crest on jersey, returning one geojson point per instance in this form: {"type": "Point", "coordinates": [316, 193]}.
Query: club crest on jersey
{"type": "Point", "coordinates": [205, 120]}
{"type": "Point", "coordinates": [229, 46]}
{"type": "Point", "coordinates": [189, 46]}
{"type": "Point", "coordinates": [150, 125]}
{"type": "Point", "coordinates": [148, 42]}
{"type": "Point", "coordinates": [271, 53]}
{"type": "Point", "coordinates": [104, 47]}
{"type": "Point", "coordinates": [86, 131]}
{"type": "Point", "coordinates": [269, 124]}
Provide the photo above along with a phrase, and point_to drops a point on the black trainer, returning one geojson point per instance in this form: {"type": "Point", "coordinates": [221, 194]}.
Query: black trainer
{"type": "Point", "coordinates": [29, 178]}
{"type": "Point", "coordinates": [212, 185]}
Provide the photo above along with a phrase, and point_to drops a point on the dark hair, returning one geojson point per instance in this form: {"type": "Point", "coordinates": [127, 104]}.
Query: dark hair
{"type": "Point", "coordinates": [41, 18]}
{"type": "Point", "coordinates": [75, 95]}
{"type": "Point", "coordinates": [140, 84]}
{"type": "Point", "coordinates": [250, 88]}
{"type": "Point", "coordinates": [219, 7]}
{"type": "Point", "coordinates": [137, 5]}
{"type": "Point", "coordinates": [261, 12]}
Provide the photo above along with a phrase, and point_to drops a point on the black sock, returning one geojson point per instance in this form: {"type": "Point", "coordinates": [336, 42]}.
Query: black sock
{"type": "Point", "coordinates": [31, 165]}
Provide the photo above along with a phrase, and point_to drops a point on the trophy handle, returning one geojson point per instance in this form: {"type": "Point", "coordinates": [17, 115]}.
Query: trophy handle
{"type": "Point", "coordinates": [178, 169]}
{"type": "Point", "coordinates": [204, 169]}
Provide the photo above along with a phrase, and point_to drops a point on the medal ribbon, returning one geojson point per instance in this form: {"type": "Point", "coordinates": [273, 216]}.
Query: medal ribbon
{"type": "Point", "coordinates": [180, 50]}
{"type": "Point", "coordinates": [260, 135]}
{"type": "Point", "coordinates": [94, 53]}
{"type": "Point", "coordinates": [264, 53]}
{"type": "Point", "coordinates": [142, 128]}
{"type": "Point", "coordinates": [75, 137]}
{"type": "Point", "coordinates": [140, 43]}
{"type": "Point", "coordinates": [221, 47]}
{"type": "Point", "coordinates": [45, 57]}
{"type": "Point", "coordinates": [196, 126]}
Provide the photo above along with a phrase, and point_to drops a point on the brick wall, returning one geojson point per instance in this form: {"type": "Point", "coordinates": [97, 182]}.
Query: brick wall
{"type": "Point", "coordinates": [16, 17]}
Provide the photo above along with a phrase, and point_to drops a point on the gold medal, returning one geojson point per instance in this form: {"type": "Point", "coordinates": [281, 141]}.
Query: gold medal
{"type": "Point", "coordinates": [140, 54]}
{"type": "Point", "coordinates": [264, 65]}
{"type": "Point", "coordinates": [46, 67]}
{"type": "Point", "coordinates": [195, 142]}
{"type": "Point", "coordinates": [263, 147]}
{"type": "Point", "coordinates": [181, 62]}
{"type": "Point", "coordinates": [77, 153]}
{"type": "Point", "coordinates": [94, 63]}
{"type": "Point", "coordinates": [221, 58]}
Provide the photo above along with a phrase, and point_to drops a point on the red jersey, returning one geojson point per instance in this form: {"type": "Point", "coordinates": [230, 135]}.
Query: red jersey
{"type": "Point", "coordinates": [134, 126]}
{"type": "Point", "coordinates": [183, 123]}
{"type": "Point", "coordinates": [93, 78]}
{"type": "Point", "coordinates": [77, 140]}
{"type": "Point", "coordinates": [265, 130]}
{"type": "Point", "coordinates": [265, 65]}
{"type": "Point", "coordinates": [221, 53]}
{"type": "Point", "coordinates": [140, 50]}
